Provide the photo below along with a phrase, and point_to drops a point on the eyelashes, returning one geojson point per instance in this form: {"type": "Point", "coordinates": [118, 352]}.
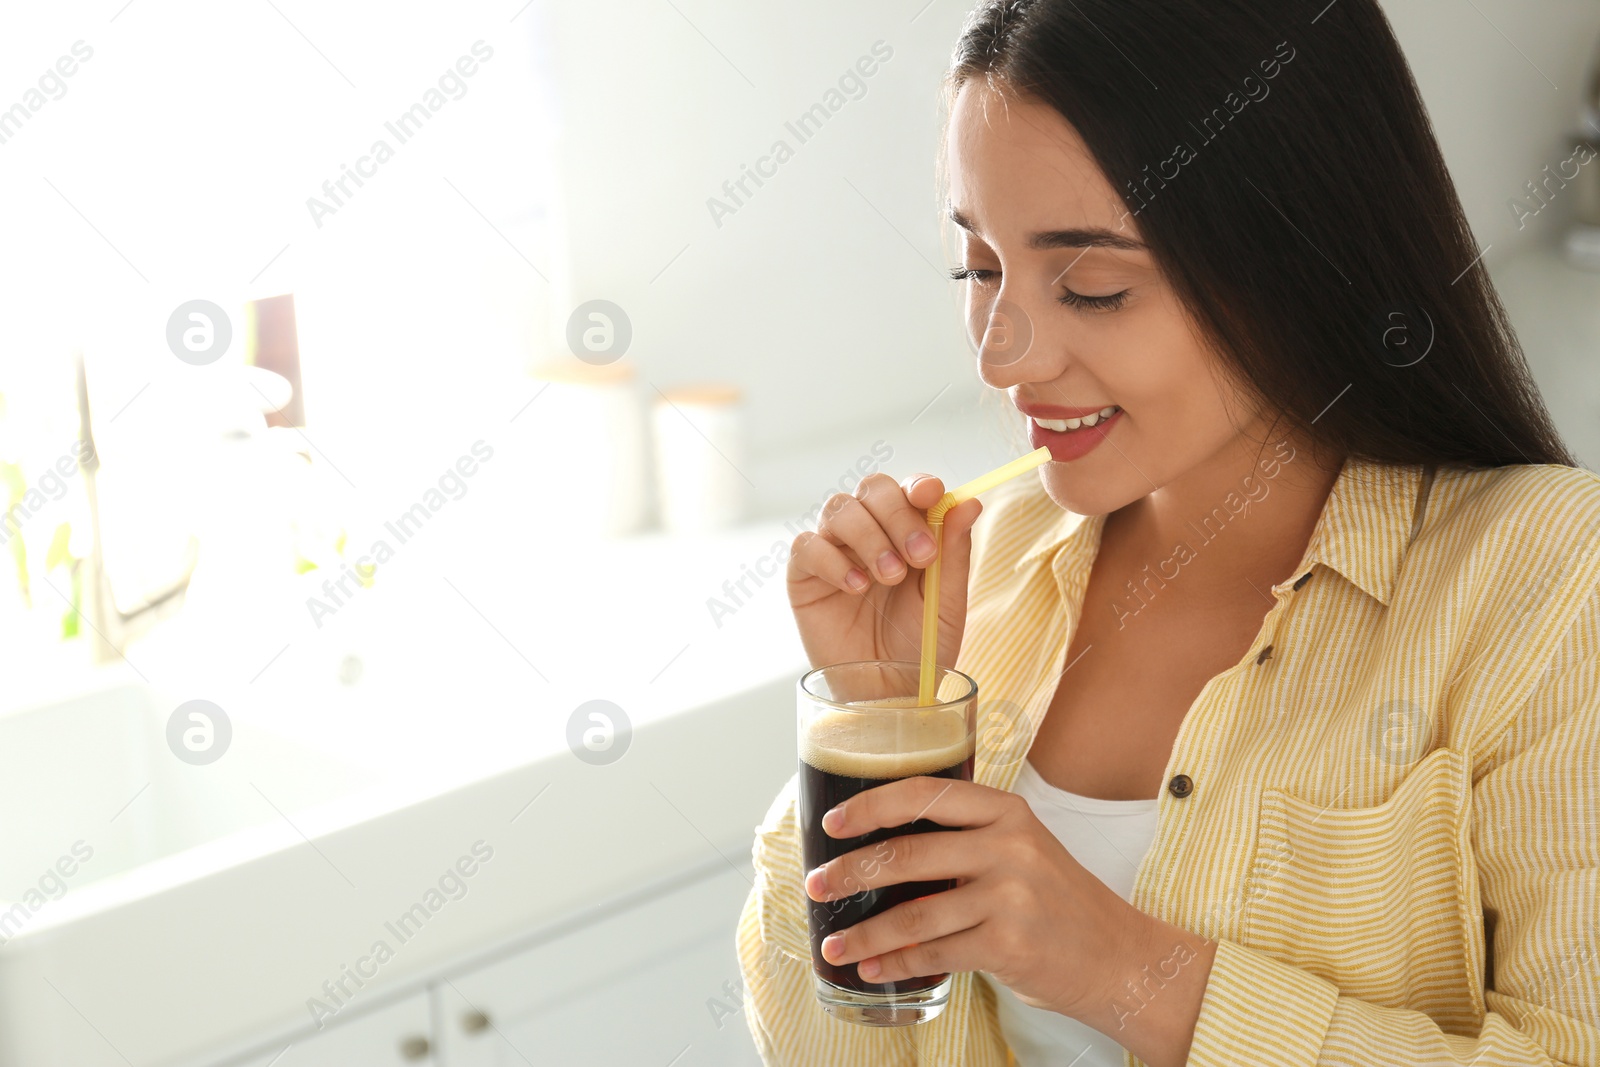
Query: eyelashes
{"type": "Point", "coordinates": [1093, 303]}
{"type": "Point", "coordinates": [1067, 297]}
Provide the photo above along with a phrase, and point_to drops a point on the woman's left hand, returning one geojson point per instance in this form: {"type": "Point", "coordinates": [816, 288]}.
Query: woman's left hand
{"type": "Point", "coordinates": [1023, 910]}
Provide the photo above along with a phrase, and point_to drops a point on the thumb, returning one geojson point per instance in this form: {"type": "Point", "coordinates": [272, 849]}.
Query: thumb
{"type": "Point", "coordinates": [956, 546]}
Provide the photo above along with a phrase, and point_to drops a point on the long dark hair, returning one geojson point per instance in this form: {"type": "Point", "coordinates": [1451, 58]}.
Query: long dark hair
{"type": "Point", "coordinates": [1283, 172]}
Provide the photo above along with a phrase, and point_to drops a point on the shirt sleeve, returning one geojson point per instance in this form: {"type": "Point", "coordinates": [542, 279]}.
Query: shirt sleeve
{"type": "Point", "coordinates": [1536, 836]}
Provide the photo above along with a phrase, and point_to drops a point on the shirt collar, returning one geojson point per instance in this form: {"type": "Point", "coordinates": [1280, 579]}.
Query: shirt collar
{"type": "Point", "coordinates": [1363, 532]}
{"type": "Point", "coordinates": [1368, 523]}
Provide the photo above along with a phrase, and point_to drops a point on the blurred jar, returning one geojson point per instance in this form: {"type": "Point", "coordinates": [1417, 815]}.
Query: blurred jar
{"type": "Point", "coordinates": [699, 446]}
{"type": "Point", "coordinates": [580, 444]}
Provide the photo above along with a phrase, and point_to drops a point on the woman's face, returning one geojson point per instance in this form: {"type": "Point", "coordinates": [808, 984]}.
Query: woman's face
{"type": "Point", "coordinates": [1071, 315]}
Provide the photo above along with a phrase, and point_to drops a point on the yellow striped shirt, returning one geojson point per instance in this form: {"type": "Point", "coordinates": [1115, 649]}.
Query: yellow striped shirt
{"type": "Point", "coordinates": [1393, 825]}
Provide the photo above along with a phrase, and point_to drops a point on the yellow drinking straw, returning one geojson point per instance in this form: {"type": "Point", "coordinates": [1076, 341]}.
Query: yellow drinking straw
{"type": "Point", "coordinates": [930, 582]}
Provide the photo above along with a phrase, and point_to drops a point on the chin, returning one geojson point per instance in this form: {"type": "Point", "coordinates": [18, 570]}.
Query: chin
{"type": "Point", "coordinates": [1083, 494]}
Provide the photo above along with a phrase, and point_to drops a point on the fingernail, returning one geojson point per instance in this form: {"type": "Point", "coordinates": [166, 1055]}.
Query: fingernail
{"type": "Point", "coordinates": [920, 547]}
{"type": "Point", "coordinates": [889, 565]}
{"type": "Point", "coordinates": [869, 968]}
{"type": "Point", "coordinates": [832, 820]}
{"type": "Point", "coordinates": [832, 945]}
{"type": "Point", "coordinates": [856, 580]}
{"type": "Point", "coordinates": [815, 886]}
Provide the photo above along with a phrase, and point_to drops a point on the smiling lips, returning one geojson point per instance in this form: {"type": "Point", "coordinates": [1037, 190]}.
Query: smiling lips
{"type": "Point", "coordinates": [1066, 425]}
{"type": "Point", "coordinates": [1070, 433]}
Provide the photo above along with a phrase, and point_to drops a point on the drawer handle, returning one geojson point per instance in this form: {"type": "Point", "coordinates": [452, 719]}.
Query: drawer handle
{"type": "Point", "coordinates": [414, 1048]}
{"type": "Point", "coordinates": [474, 1021]}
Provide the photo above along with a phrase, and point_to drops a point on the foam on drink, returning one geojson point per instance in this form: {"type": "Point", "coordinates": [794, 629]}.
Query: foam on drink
{"type": "Point", "coordinates": [917, 741]}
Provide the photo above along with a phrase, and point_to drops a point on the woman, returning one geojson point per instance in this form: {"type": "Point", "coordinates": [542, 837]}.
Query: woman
{"type": "Point", "coordinates": [1290, 662]}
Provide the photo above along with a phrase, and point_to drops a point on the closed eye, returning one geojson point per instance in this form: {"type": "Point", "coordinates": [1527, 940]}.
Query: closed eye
{"type": "Point", "coordinates": [1110, 302]}
{"type": "Point", "coordinates": [963, 274]}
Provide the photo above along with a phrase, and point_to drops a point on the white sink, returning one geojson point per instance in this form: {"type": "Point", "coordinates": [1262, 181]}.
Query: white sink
{"type": "Point", "coordinates": [103, 825]}
{"type": "Point", "coordinates": [95, 772]}
{"type": "Point", "coordinates": [219, 899]}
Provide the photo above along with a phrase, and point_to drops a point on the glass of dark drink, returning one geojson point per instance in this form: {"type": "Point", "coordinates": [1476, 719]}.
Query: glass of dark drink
{"type": "Point", "coordinates": [860, 727]}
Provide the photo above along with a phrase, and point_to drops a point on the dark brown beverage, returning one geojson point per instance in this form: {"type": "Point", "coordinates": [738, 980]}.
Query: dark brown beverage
{"type": "Point", "coordinates": [842, 754]}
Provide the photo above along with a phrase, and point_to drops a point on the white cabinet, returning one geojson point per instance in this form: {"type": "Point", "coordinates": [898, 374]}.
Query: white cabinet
{"type": "Point", "coordinates": [398, 1035]}
{"type": "Point", "coordinates": [650, 986]}
{"type": "Point", "coordinates": [654, 983]}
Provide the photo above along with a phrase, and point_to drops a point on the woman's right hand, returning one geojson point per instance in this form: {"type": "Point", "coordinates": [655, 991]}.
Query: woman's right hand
{"type": "Point", "coordinates": [855, 585]}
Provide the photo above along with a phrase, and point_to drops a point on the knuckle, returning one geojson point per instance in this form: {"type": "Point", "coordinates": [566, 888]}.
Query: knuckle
{"type": "Point", "coordinates": [811, 555]}
{"type": "Point", "coordinates": [1027, 851]}
{"type": "Point", "coordinates": [929, 794]}
{"type": "Point", "coordinates": [835, 506]}
{"type": "Point", "coordinates": [1011, 942]}
{"type": "Point", "coordinates": [906, 851]}
{"type": "Point", "coordinates": [889, 852]}
{"type": "Point", "coordinates": [873, 484]}
{"type": "Point", "coordinates": [863, 869]}
{"type": "Point", "coordinates": [910, 917]}
{"type": "Point", "coordinates": [1013, 896]}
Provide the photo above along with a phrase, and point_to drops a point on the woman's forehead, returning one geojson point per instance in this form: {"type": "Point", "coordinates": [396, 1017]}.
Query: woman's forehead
{"type": "Point", "coordinates": [1015, 163]}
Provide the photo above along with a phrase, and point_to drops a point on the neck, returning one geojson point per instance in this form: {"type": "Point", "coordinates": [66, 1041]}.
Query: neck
{"type": "Point", "coordinates": [1246, 514]}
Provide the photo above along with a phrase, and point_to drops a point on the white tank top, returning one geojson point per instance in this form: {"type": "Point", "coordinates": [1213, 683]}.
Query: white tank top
{"type": "Point", "coordinates": [1109, 837]}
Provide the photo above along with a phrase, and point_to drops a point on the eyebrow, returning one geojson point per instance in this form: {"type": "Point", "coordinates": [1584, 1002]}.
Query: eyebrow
{"type": "Point", "coordinates": [1082, 237]}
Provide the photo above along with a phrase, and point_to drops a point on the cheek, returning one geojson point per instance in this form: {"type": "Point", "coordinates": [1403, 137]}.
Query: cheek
{"type": "Point", "coordinates": [1179, 388]}
{"type": "Point", "coordinates": [1185, 377]}
{"type": "Point", "coordinates": [1183, 411]}
{"type": "Point", "coordinates": [1180, 409]}
{"type": "Point", "coordinates": [1163, 374]}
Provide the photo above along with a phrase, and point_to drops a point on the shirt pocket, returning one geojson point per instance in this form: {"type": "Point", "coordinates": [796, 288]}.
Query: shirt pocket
{"type": "Point", "coordinates": [1382, 900]}
{"type": "Point", "coordinates": [779, 887]}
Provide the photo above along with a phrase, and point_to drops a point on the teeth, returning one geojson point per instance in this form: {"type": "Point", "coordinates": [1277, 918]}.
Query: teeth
{"type": "Point", "coordinates": [1064, 425]}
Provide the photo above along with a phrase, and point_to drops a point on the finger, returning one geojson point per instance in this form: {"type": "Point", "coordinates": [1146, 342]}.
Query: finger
{"type": "Point", "coordinates": [910, 923]}
{"type": "Point", "coordinates": [923, 490]}
{"type": "Point", "coordinates": [905, 525]}
{"type": "Point", "coordinates": [948, 801]}
{"type": "Point", "coordinates": [847, 523]}
{"type": "Point", "coordinates": [814, 556]}
{"type": "Point", "coordinates": [958, 523]}
{"type": "Point", "coordinates": [967, 950]}
{"type": "Point", "coordinates": [926, 857]}
{"type": "Point", "coordinates": [956, 544]}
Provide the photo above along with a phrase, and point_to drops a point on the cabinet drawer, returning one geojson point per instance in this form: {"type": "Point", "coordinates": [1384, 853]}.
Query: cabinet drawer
{"type": "Point", "coordinates": [657, 983]}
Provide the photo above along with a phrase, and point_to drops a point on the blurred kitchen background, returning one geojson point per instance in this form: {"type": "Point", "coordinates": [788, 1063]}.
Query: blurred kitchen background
{"type": "Point", "coordinates": [404, 415]}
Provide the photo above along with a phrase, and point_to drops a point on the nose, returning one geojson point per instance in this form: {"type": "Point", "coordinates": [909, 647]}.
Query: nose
{"type": "Point", "coordinates": [1011, 345]}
